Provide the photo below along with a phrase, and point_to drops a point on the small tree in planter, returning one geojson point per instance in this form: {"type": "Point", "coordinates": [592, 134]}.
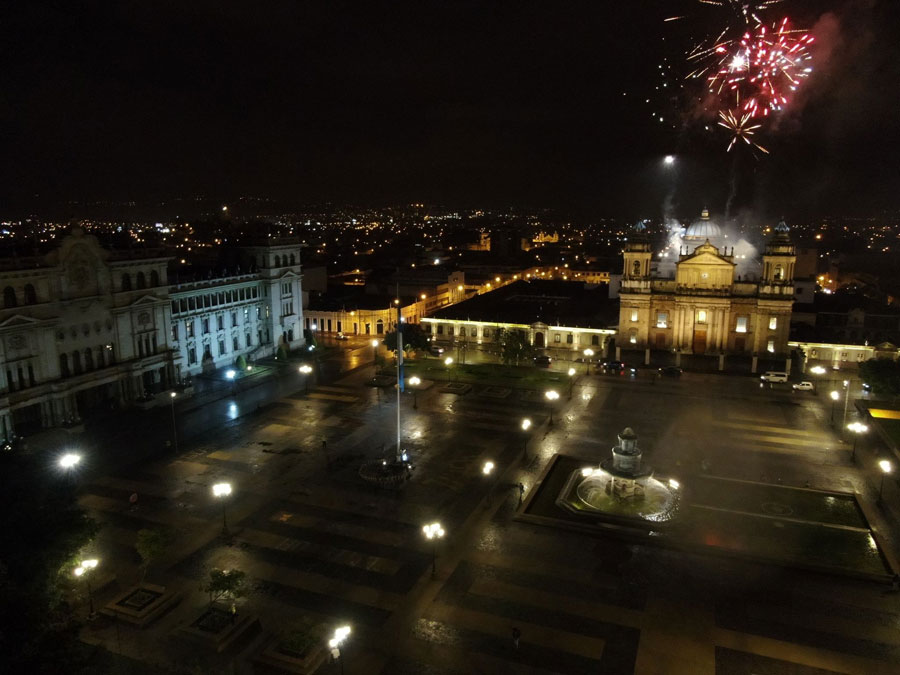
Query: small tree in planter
{"type": "Point", "coordinates": [150, 545]}
{"type": "Point", "coordinates": [241, 362]}
{"type": "Point", "coordinates": [225, 585]}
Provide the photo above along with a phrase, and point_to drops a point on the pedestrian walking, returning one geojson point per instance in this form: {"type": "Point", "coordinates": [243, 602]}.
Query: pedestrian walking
{"type": "Point", "coordinates": [233, 612]}
{"type": "Point", "coordinates": [516, 635]}
{"type": "Point", "coordinates": [521, 487]}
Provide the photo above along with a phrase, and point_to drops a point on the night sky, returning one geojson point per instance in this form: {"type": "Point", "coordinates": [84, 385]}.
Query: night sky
{"type": "Point", "coordinates": [467, 103]}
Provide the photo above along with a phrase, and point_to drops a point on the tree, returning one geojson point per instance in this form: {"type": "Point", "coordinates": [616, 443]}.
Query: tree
{"type": "Point", "coordinates": [150, 545]}
{"type": "Point", "coordinates": [414, 338]}
{"type": "Point", "coordinates": [883, 375]}
{"type": "Point", "coordinates": [241, 362]}
{"type": "Point", "coordinates": [43, 534]}
{"type": "Point", "coordinates": [225, 584]}
{"type": "Point", "coordinates": [514, 346]}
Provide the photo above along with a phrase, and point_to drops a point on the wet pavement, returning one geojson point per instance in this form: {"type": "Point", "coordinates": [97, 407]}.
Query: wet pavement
{"type": "Point", "coordinates": [317, 542]}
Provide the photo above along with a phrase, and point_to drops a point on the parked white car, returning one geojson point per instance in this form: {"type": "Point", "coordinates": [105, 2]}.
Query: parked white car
{"type": "Point", "coordinates": [804, 386]}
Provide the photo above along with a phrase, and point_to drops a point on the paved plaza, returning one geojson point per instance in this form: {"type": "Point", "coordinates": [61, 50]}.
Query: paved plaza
{"type": "Point", "coordinates": [317, 543]}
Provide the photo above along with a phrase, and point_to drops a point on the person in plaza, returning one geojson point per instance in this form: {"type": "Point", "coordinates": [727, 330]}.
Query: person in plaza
{"type": "Point", "coordinates": [516, 635]}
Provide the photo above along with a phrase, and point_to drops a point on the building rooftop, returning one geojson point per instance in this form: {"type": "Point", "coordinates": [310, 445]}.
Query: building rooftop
{"type": "Point", "coordinates": [556, 303]}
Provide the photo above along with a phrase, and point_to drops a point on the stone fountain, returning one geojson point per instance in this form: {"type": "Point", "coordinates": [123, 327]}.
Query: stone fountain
{"type": "Point", "coordinates": [622, 487]}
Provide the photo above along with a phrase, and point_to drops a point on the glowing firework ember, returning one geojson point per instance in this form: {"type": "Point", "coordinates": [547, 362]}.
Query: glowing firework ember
{"type": "Point", "coordinates": [741, 128]}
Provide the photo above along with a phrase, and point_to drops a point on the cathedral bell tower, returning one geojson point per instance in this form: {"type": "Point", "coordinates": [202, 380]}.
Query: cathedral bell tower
{"type": "Point", "coordinates": [779, 258]}
{"type": "Point", "coordinates": [637, 256]}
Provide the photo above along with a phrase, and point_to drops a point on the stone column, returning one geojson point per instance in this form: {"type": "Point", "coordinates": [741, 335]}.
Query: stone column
{"type": "Point", "coordinates": [721, 361]}
{"type": "Point", "coordinates": [754, 363]}
{"type": "Point", "coordinates": [787, 365]}
{"type": "Point", "coordinates": [647, 356]}
{"type": "Point", "coordinates": [46, 413]}
{"type": "Point", "coordinates": [618, 352]}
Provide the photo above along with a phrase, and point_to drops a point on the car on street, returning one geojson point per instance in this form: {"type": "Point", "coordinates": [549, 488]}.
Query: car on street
{"type": "Point", "coordinates": [341, 336]}
{"type": "Point", "coordinates": [542, 361]}
{"type": "Point", "coordinates": [670, 371]}
{"type": "Point", "coordinates": [804, 386]}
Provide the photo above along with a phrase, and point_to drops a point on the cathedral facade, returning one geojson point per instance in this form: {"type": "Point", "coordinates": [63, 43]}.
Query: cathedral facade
{"type": "Point", "coordinates": [706, 309]}
{"type": "Point", "coordinates": [85, 327]}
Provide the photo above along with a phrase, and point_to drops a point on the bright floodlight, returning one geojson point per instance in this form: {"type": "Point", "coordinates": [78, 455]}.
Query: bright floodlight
{"type": "Point", "coordinates": [674, 484]}
{"type": "Point", "coordinates": [526, 424]}
{"type": "Point", "coordinates": [571, 372]}
{"type": "Point", "coordinates": [858, 427]}
{"type": "Point", "coordinates": [487, 468]}
{"type": "Point", "coordinates": [221, 489]}
{"type": "Point", "coordinates": [588, 352]}
{"type": "Point", "coordinates": [230, 374]}
{"type": "Point", "coordinates": [433, 531]}
{"type": "Point", "coordinates": [552, 395]}
{"type": "Point", "coordinates": [817, 370]}
{"type": "Point", "coordinates": [415, 381]}
{"type": "Point", "coordinates": [374, 343]}
{"type": "Point", "coordinates": [835, 396]}
{"type": "Point", "coordinates": [306, 369]}
{"type": "Point", "coordinates": [172, 394]}
{"type": "Point", "coordinates": [885, 466]}
{"type": "Point", "coordinates": [69, 460]}
{"type": "Point", "coordinates": [587, 471]}
{"type": "Point", "coordinates": [846, 383]}
{"type": "Point", "coordinates": [669, 160]}
{"type": "Point", "coordinates": [448, 361]}
{"type": "Point", "coordinates": [340, 634]}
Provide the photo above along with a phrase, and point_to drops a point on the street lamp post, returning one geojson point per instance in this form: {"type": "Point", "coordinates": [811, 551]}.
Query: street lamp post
{"type": "Point", "coordinates": [526, 425]}
{"type": "Point", "coordinates": [375, 355]}
{"type": "Point", "coordinates": [571, 381]}
{"type": "Point", "coordinates": [487, 469]}
{"type": "Point", "coordinates": [340, 634]}
{"type": "Point", "coordinates": [448, 362]}
{"type": "Point", "coordinates": [414, 382]}
{"type": "Point", "coordinates": [857, 428]}
{"type": "Point", "coordinates": [551, 395]}
{"type": "Point", "coordinates": [433, 532]}
{"type": "Point", "coordinates": [588, 353]}
{"type": "Point", "coordinates": [834, 398]}
{"type": "Point", "coordinates": [68, 462]}
{"type": "Point", "coordinates": [305, 370]}
{"type": "Point", "coordinates": [222, 490]}
{"type": "Point", "coordinates": [84, 570]}
{"type": "Point", "coordinates": [172, 396]}
{"type": "Point", "coordinates": [846, 401]}
{"type": "Point", "coordinates": [886, 467]}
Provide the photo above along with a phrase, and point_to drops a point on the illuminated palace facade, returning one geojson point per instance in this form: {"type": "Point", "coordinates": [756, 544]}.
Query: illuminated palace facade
{"type": "Point", "coordinates": [84, 327]}
{"type": "Point", "coordinates": [706, 309]}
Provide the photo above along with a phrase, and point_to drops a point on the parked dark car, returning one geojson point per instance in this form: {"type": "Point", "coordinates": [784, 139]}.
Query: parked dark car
{"type": "Point", "coordinates": [613, 367]}
{"type": "Point", "coordinates": [670, 371]}
{"type": "Point", "coordinates": [542, 361]}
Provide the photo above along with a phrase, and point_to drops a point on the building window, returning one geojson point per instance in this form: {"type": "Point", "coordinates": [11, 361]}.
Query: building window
{"type": "Point", "coordinates": [440, 329]}
{"type": "Point", "coordinates": [634, 315]}
{"type": "Point", "coordinates": [175, 331]}
{"type": "Point", "coordinates": [741, 324]}
{"type": "Point", "coordinates": [462, 331]}
{"type": "Point", "coordinates": [813, 353]}
{"type": "Point", "coordinates": [234, 319]}
{"type": "Point", "coordinates": [701, 316]}
{"type": "Point", "coordinates": [556, 338]}
{"type": "Point", "coordinates": [779, 273]}
{"type": "Point", "coordinates": [141, 280]}
{"type": "Point", "coordinates": [379, 328]}
{"type": "Point", "coordinates": [192, 356]}
{"type": "Point", "coordinates": [773, 322]}
{"type": "Point", "coordinates": [221, 347]}
{"type": "Point", "coordinates": [205, 326]}
{"type": "Point", "coordinates": [636, 268]}
{"type": "Point", "coordinates": [220, 322]}
{"type": "Point", "coordinates": [189, 328]}
{"type": "Point", "coordinates": [486, 332]}
{"type": "Point", "coordinates": [247, 340]}
{"type": "Point", "coordinates": [662, 319]}
{"type": "Point", "coordinates": [569, 339]}
{"type": "Point", "coordinates": [235, 343]}
{"type": "Point", "coordinates": [449, 330]}
{"type": "Point", "coordinates": [126, 281]}
{"type": "Point", "coordinates": [30, 295]}
{"type": "Point", "coordinates": [770, 346]}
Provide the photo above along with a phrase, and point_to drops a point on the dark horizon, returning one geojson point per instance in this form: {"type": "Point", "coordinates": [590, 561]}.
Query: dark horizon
{"type": "Point", "coordinates": [531, 105]}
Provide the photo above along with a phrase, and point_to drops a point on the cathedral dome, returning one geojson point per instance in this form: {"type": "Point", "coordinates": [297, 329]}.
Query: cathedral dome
{"type": "Point", "coordinates": [702, 229]}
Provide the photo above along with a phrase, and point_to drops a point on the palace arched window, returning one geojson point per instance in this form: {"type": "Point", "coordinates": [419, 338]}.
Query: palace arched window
{"type": "Point", "coordinates": [126, 282]}
{"type": "Point", "coordinates": [636, 268]}
{"type": "Point", "coordinates": [30, 295]}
